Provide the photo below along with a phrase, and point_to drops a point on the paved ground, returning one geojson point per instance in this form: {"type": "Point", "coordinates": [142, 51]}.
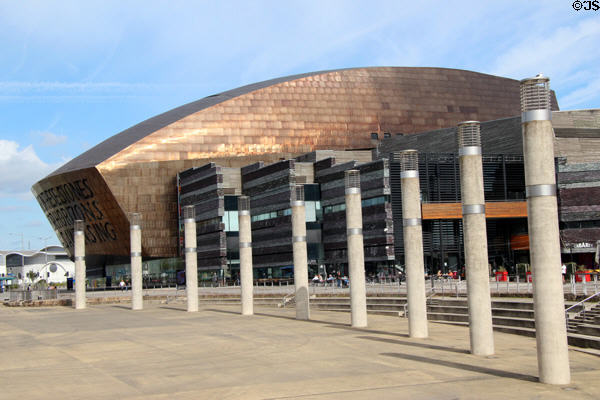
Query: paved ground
{"type": "Point", "coordinates": [164, 352]}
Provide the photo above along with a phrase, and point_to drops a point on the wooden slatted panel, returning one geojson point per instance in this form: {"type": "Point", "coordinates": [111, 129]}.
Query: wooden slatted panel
{"type": "Point", "coordinates": [504, 209]}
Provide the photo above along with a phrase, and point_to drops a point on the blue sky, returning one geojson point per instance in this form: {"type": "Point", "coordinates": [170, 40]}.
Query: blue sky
{"type": "Point", "coordinates": [73, 73]}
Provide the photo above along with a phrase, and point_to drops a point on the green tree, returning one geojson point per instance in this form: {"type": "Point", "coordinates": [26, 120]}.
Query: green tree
{"type": "Point", "coordinates": [32, 275]}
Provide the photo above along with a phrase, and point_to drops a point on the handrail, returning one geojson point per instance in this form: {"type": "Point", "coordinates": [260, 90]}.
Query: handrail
{"type": "Point", "coordinates": [287, 299]}
{"type": "Point", "coordinates": [582, 301]}
{"type": "Point", "coordinates": [575, 305]}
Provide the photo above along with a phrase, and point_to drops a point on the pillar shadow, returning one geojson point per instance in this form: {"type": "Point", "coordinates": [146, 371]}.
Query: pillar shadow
{"type": "Point", "coordinates": [123, 307]}
{"type": "Point", "coordinates": [466, 367]}
{"type": "Point", "coordinates": [416, 344]}
{"type": "Point", "coordinates": [173, 308]}
{"type": "Point", "coordinates": [373, 331]}
{"type": "Point", "coordinates": [329, 324]}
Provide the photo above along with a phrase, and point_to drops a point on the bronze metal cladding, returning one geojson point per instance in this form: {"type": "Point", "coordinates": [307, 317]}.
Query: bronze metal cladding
{"type": "Point", "coordinates": [134, 171]}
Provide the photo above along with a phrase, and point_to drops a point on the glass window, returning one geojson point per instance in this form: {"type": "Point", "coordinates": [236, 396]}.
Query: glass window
{"type": "Point", "coordinates": [311, 211]}
{"type": "Point", "coordinates": [374, 135]}
{"type": "Point", "coordinates": [230, 219]}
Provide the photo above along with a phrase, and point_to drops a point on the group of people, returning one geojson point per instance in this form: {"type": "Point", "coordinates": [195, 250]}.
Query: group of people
{"type": "Point", "coordinates": [336, 279]}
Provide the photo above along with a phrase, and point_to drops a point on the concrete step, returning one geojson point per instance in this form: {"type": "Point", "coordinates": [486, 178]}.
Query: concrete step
{"type": "Point", "coordinates": [512, 305]}
{"type": "Point", "coordinates": [589, 330]}
{"type": "Point", "coordinates": [514, 322]}
{"type": "Point", "coordinates": [584, 341]}
{"type": "Point", "coordinates": [447, 309]}
{"type": "Point", "coordinates": [437, 316]}
{"type": "Point", "coordinates": [513, 312]}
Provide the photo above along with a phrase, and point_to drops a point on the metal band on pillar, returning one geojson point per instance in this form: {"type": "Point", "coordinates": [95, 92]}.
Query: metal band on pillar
{"type": "Point", "coordinates": [469, 151]}
{"type": "Point", "coordinates": [245, 245]}
{"type": "Point", "coordinates": [296, 239]}
{"type": "Point", "coordinates": [354, 231]}
{"type": "Point", "coordinates": [189, 250]}
{"type": "Point", "coordinates": [540, 190]}
{"type": "Point", "coordinates": [411, 221]}
{"type": "Point", "coordinates": [136, 254]}
{"type": "Point", "coordinates": [473, 209]}
{"type": "Point", "coordinates": [79, 258]}
{"type": "Point", "coordinates": [409, 174]}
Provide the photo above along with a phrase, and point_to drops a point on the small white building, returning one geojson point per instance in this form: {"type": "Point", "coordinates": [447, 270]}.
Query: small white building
{"type": "Point", "coordinates": [51, 264]}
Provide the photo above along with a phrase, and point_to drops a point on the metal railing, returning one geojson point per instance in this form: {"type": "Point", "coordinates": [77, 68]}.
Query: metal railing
{"type": "Point", "coordinates": [582, 304]}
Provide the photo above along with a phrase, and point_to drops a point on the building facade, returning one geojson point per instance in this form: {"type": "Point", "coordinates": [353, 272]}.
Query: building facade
{"type": "Point", "coordinates": [135, 170]}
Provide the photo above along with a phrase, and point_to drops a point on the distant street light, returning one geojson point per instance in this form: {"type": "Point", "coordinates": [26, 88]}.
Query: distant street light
{"type": "Point", "coordinates": [45, 239]}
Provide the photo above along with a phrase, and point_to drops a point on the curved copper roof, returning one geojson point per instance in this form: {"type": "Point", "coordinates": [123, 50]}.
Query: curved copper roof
{"type": "Point", "coordinates": [121, 140]}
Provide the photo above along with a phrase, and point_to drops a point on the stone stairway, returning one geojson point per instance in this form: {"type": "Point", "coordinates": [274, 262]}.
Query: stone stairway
{"type": "Point", "coordinates": [584, 328]}
{"type": "Point", "coordinates": [514, 316]}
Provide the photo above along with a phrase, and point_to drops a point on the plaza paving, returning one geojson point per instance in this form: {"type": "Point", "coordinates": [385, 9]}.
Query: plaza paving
{"type": "Point", "coordinates": [163, 352]}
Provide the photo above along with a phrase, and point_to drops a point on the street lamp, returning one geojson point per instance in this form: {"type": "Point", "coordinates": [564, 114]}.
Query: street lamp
{"type": "Point", "coordinates": [45, 239]}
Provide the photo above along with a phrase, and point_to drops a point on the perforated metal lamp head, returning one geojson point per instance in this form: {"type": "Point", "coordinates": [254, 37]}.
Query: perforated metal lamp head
{"type": "Point", "coordinates": [409, 160]}
{"type": "Point", "coordinates": [189, 212]}
{"type": "Point", "coordinates": [535, 93]}
{"type": "Point", "coordinates": [135, 219]}
{"type": "Point", "coordinates": [352, 179]}
{"type": "Point", "coordinates": [535, 98]}
{"type": "Point", "coordinates": [469, 134]}
{"type": "Point", "coordinates": [79, 225]}
{"type": "Point", "coordinates": [243, 203]}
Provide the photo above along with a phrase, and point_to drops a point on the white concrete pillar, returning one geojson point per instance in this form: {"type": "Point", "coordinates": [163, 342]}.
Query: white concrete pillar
{"type": "Point", "coordinates": [356, 251]}
{"type": "Point", "coordinates": [246, 271]}
{"type": "Point", "coordinates": [191, 258]}
{"type": "Point", "coordinates": [135, 235]}
{"type": "Point", "coordinates": [300, 253]}
{"type": "Point", "coordinates": [476, 251]}
{"type": "Point", "coordinates": [544, 242]}
{"type": "Point", "coordinates": [413, 244]}
{"type": "Point", "coordinates": [79, 255]}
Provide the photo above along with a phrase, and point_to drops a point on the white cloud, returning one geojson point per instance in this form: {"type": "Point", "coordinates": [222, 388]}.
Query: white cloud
{"type": "Point", "coordinates": [50, 139]}
{"type": "Point", "coordinates": [560, 53]}
{"type": "Point", "coordinates": [581, 95]}
{"type": "Point", "coordinates": [20, 168]}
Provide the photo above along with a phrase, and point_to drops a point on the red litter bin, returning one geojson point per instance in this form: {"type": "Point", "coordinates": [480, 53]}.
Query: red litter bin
{"type": "Point", "coordinates": [501, 276]}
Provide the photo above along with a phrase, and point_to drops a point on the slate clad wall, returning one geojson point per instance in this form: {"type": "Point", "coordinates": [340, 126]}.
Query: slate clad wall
{"type": "Point", "coordinates": [579, 211]}
{"type": "Point", "coordinates": [377, 219]}
{"type": "Point", "coordinates": [203, 188]}
{"type": "Point", "coordinates": [269, 189]}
